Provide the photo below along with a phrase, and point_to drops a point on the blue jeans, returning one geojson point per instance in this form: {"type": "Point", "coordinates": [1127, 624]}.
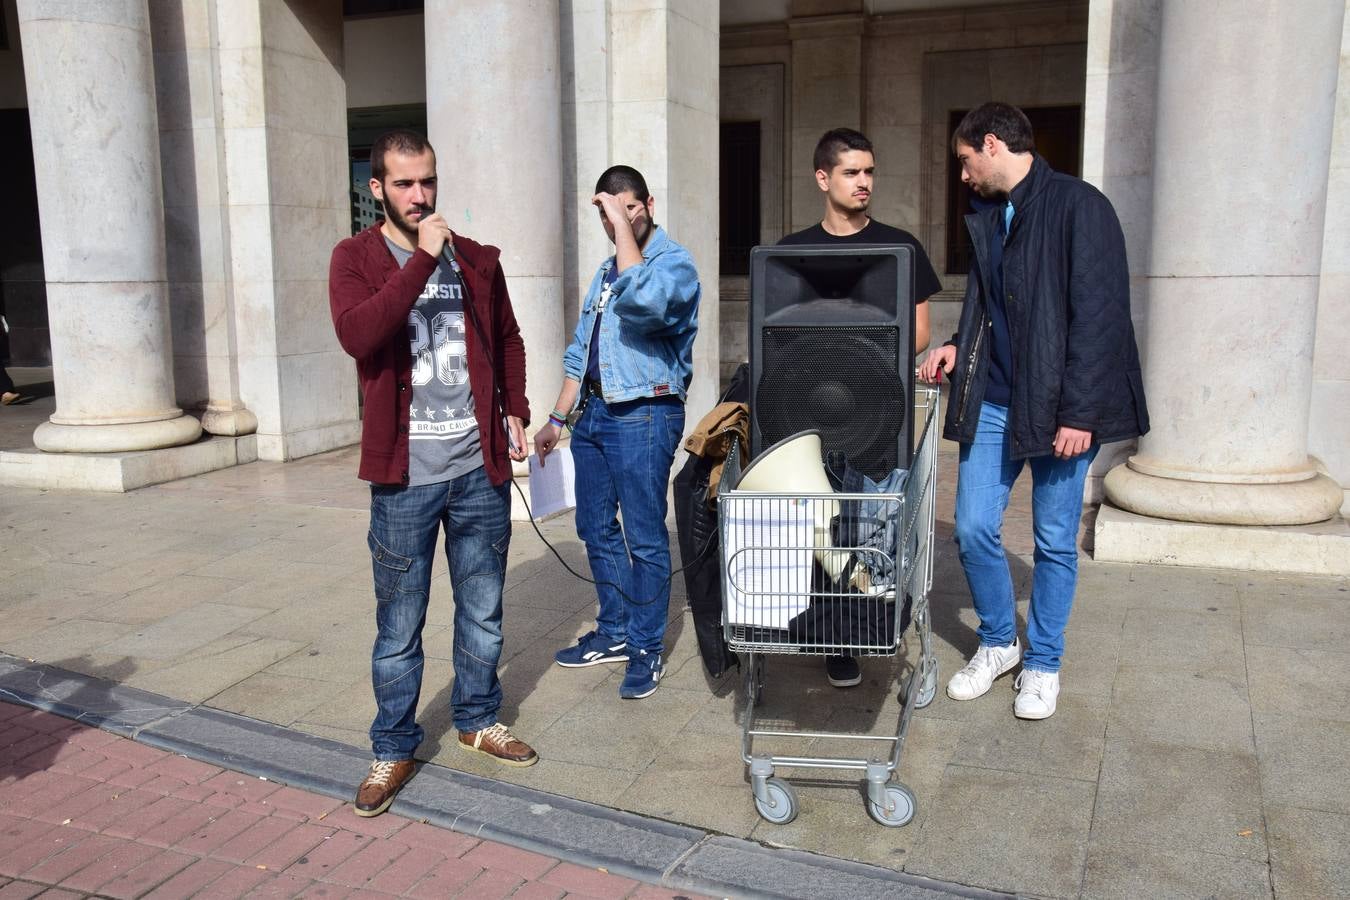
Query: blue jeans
{"type": "Point", "coordinates": [985, 479]}
{"type": "Point", "coordinates": [404, 525]}
{"type": "Point", "coordinates": [622, 453]}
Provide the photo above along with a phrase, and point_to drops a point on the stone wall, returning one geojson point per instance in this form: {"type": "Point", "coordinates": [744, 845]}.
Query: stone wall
{"type": "Point", "coordinates": [896, 76]}
{"type": "Point", "coordinates": [284, 124]}
{"type": "Point", "coordinates": [370, 44]}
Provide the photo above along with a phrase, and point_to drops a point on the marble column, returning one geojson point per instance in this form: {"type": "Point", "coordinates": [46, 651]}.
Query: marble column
{"type": "Point", "coordinates": [1239, 198]}
{"type": "Point", "coordinates": [1120, 89]}
{"type": "Point", "coordinates": [664, 77]}
{"type": "Point", "coordinates": [91, 96]}
{"type": "Point", "coordinates": [1329, 428]}
{"type": "Point", "coordinates": [196, 220]}
{"type": "Point", "coordinates": [494, 116]}
{"type": "Point", "coordinates": [286, 204]}
{"type": "Point", "coordinates": [827, 92]}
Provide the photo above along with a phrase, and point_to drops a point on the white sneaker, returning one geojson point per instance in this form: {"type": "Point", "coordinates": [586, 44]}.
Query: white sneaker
{"type": "Point", "coordinates": [978, 676]}
{"type": "Point", "coordinates": [1037, 693]}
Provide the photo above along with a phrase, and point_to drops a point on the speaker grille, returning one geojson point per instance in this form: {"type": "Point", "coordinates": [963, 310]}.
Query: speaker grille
{"type": "Point", "coordinates": [842, 381]}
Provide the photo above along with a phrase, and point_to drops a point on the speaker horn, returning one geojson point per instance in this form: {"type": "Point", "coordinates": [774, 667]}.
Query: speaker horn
{"type": "Point", "coordinates": [794, 466]}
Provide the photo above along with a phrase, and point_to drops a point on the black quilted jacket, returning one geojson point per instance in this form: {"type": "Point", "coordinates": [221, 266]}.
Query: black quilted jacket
{"type": "Point", "coordinates": [1067, 292]}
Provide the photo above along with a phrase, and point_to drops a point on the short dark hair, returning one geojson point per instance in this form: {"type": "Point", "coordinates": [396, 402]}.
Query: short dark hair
{"type": "Point", "coordinates": [617, 179]}
{"type": "Point", "coordinates": [400, 140]}
{"type": "Point", "coordinates": [1003, 120]}
{"type": "Point", "coordinates": [834, 142]}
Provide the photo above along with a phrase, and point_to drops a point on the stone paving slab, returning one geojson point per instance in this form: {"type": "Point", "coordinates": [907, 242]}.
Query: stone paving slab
{"type": "Point", "coordinates": [1171, 678]}
{"type": "Point", "coordinates": [200, 830]}
{"type": "Point", "coordinates": [256, 808]}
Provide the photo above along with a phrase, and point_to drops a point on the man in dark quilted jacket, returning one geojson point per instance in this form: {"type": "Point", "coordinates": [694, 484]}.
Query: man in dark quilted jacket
{"type": "Point", "coordinates": [1044, 369]}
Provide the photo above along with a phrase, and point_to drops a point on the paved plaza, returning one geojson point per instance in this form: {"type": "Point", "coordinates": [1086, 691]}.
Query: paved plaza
{"type": "Point", "coordinates": [1199, 748]}
{"type": "Point", "coordinates": [88, 813]}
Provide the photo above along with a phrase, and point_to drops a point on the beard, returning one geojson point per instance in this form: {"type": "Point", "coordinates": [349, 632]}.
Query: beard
{"type": "Point", "coordinates": [850, 203]}
{"type": "Point", "coordinates": [985, 190]}
{"type": "Point", "coordinates": [402, 222]}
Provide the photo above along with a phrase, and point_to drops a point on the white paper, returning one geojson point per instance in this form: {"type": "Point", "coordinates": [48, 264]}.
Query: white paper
{"type": "Point", "coordinates": [769, 547]}
{"type": "Point", "coordinates": [553, 484]}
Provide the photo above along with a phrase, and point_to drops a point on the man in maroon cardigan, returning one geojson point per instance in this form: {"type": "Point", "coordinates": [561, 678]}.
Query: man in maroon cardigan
{"type": "Point", "coordinates": [426, 315]}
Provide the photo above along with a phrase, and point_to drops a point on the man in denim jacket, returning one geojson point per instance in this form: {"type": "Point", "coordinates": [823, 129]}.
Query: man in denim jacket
{"type": "Point", "coordinates": [629, 365]}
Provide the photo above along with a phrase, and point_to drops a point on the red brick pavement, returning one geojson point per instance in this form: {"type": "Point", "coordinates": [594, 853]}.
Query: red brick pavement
{"type": "Point", "coordinates": [86, 813]}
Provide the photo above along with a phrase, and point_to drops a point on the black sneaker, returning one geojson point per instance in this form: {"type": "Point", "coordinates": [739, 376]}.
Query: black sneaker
{"type": "Point", "coordinates": [842, 671]}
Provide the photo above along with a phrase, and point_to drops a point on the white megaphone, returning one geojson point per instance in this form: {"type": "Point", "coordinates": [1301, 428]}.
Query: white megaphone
{"type": "Point", "coordinates": [794, 466]}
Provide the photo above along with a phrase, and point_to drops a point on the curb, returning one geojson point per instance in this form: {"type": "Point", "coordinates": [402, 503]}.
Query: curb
{"type": "Point", "coordinates": [676, 857]}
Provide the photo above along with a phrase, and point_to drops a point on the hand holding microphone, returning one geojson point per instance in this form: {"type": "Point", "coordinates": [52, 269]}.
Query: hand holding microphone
{"type": "Point", "coordinates": [433, 233]}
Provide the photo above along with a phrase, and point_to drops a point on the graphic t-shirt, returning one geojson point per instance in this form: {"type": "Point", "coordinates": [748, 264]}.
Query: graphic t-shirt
{"type": "Point", "coordinates": [926, 282]}
{"type": "Point", "coordinates": [442, 431]}
{"type": "Point", "coordinates": [593, 357]}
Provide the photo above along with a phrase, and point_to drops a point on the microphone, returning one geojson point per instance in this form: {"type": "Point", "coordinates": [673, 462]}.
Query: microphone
{"type": "Point", "coordinates": [448, 254]}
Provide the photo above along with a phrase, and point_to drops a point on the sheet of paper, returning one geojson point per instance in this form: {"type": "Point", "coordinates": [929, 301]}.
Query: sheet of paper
{"type": "Point", "coordinates": [553, 484]}
{"type": "Point", "coordinates": [768, 546]}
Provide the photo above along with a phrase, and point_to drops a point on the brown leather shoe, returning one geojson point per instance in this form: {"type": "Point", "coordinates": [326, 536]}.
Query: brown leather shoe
{"type": "Point", "coordinates": [500, 744]}
{"type": "Point", "coordinates": [381, 785]}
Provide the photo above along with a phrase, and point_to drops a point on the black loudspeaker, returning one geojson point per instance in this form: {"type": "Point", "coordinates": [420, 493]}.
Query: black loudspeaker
{"type": "Point", "coordinates": [832, 348]}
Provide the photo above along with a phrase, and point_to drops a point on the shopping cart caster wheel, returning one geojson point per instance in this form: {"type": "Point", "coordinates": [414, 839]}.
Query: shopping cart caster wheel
{"type": "Point", "coordinates": [927, 690]}
{"type": "Point", "coordinates": [756, 681]}
{"type": "Point", "coordinates": [903, 806]}
{"type": "Point", "coordinates": [781, 807]}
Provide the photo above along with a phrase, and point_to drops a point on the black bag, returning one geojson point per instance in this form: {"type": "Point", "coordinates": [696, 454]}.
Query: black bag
{"type": "Point", "coordinates": [696, 527]}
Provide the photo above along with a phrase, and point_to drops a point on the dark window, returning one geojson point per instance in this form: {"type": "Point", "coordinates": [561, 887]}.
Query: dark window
{"type": "Point", "coordinates": [355, 8]}
{"type": "Point", "coordinates": [739, 195]}
{"type": "Point", "coordinates": [363, 127]}
{"type": "Point", "coordinates": [1059, 139]}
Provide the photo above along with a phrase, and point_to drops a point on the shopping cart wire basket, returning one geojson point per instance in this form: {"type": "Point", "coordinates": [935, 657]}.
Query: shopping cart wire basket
{"type": "Point", "coordinates": [832, 574]}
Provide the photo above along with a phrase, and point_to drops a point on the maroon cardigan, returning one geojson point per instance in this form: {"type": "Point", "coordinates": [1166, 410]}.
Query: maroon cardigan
{"type": "Point", "coordinates": [370, 296]}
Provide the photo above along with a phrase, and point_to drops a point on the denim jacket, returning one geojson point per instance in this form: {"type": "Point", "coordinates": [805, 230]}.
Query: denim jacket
{"type": "Point", "coordinates": [647, 331]}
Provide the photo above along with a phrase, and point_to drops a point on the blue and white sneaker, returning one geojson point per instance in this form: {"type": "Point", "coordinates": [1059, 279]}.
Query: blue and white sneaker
{"type": "Point", "coordinates": [642, 675]}
{"type": "Point", "coordinates": [592, 649]}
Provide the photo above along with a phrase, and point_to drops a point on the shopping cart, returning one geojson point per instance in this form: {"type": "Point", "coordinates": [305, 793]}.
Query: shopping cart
{"type": "Point", "coordinates": [827, 574]}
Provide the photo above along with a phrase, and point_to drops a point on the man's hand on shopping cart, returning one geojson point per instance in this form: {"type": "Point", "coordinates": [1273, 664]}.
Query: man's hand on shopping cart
{"type": "Point", "coordinates": [939, 359]}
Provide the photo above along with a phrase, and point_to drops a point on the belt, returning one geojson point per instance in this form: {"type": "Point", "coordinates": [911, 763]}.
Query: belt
{"type": "Point", "coordinates": [592, 388]}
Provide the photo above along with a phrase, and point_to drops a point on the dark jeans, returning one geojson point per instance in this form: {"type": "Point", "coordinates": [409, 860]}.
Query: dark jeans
{"type": "Point", "coordinates": [404, 525]}
{"type": "Point", "coordinates": [622, 454]}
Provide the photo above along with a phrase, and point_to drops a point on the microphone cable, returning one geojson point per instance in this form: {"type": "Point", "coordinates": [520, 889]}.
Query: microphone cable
{"type": "Point", "coordinates": [448, 253]}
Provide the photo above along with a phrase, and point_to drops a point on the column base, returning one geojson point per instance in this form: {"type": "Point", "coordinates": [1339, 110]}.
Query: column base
{"type": "Point", "coordinates": [1314, 499]}
{"type": "Point", "coordinates": [1320, 549]}
{"type": "Point", "coordinates": [232, 421]}
{"type": "Point", "coordinates": [120, 472]}
{"type": "Point", "coordinates": [53, 438]}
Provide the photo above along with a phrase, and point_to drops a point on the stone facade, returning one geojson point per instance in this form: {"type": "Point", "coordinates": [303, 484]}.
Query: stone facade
{"type": "Point", "coordinates": [235, 124]}
{"type": "Point", "coordinates": [895, 76]}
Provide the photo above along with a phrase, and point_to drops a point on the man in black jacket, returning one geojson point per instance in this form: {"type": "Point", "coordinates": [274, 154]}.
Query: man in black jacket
{"type": "Point", "coordinates": [1044, 370]}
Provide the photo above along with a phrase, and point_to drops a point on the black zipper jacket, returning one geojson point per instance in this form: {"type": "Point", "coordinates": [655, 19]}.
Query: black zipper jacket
{"type": "Point", "coordinates": [1067, 294]}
